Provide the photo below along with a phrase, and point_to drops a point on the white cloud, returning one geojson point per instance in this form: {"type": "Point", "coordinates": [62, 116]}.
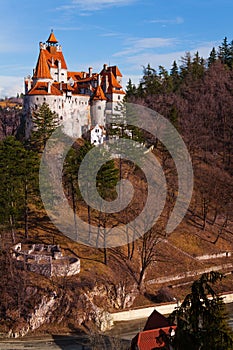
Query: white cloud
{"type": "Point", "coordinates": [136, 62]}
{"type": "Point", "coordinates": [139, 45]}
{"type": "Point", "coordinates": [11, 86]}
{"type": "Point", "coordinates": [177, 20]}
{"type": "Point", "coordinates": [95, 5]}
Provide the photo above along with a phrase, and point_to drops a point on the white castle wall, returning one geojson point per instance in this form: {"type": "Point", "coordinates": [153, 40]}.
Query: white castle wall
{"type": "Point", "coordinates": [73, 112]}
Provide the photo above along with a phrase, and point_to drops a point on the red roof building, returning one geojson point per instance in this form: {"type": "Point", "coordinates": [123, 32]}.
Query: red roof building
{"type": "Point", "coordinates": [155, 334]}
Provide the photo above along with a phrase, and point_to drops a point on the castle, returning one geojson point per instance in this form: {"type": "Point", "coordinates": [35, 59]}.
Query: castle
{"type": "Point", "coordinates": [82, 100]}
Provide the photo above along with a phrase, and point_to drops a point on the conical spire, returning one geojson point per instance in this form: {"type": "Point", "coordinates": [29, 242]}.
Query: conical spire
{"type": "Point", "coordinates": [52, 39]}
{"type": "Point", "coordinates": [42, 69]}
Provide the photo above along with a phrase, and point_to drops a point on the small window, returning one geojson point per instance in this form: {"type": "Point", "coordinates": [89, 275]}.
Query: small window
{"type": "Point", "coordinates": [37, 98]}
{"type": "Point", "coordinates": [119, 97]}
{"type": "Point", "coordinates": [44, 98]}
{"type": "Point", "coordinates": [99, 107]}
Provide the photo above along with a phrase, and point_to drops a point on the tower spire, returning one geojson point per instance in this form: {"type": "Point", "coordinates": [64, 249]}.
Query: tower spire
{"type": "Point", "coordinates": [52, 39]}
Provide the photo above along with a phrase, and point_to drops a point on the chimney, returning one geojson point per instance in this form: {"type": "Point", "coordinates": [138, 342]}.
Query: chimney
{"type": "Point", "coordinates": [90, 71]}
{"type": "Point", "coordinates": [99, 80]}
{"type": "Point", "coordinates": [49, 87]}
{"type": "Point", "coordinates": [29, 85]}
{"type": "Point", "coordinates": [105, 66]}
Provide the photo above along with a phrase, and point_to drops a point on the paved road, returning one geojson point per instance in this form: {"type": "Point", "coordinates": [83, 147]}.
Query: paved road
{"type": "Point", "coordinates": [45, 343]}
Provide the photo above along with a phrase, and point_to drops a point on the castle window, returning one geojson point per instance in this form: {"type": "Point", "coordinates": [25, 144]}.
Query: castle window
{"type": "Point", "coordinates": [119, 97]}
{"type": "Point", "coordinates": [55, 100]}
{"type": "Point", "coordinates": [37, 98]}
{"type": "Point", "coordinates": [99, 107]}
{"type": "Point", "coordinates": [61, 117]}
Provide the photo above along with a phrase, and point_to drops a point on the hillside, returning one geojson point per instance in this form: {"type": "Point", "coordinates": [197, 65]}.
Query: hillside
{"type": "Point", "coordinates": [197, 99]}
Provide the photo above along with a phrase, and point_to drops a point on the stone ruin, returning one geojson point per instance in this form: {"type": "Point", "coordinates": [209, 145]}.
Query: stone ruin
{"type": "Point", "coordinates": [44, 259]}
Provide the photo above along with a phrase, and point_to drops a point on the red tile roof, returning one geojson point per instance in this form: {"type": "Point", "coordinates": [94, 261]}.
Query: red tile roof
{"type": "Point", "coordinates": [152, 339]}
{"type": "Point", "coordinates": [42, 69]}
{"type": "Point", "coordinates": [115, 71]}
{"type": "Point", "coordinates": [55, 56]}
{"type": "Point", "coordinates": [156, 320]}
{"type": "Point", "coordinates": [41, 88]}
{"type": "Point", "coordinates": [99, 94]}
{"type": "Point", "coordinates": [155, 333]}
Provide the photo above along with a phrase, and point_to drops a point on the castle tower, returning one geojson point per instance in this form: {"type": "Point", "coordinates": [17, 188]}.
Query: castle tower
{"type": "Point", "coordinates": [98, 106]}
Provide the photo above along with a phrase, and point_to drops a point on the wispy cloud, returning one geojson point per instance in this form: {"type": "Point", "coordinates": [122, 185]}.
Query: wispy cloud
{"type": "Point", "coordinates": [10, 86]}
{"type": "Point", "coordinates": [135, 46]}
{"type": "Point", "coordinates": [111, 34]}
{"type": "Point", "coordinates": [177, 20]}
{"type": "Point", "coordinates": [95, 5]}
{"type": "Point", "coordinates": [136, 62]}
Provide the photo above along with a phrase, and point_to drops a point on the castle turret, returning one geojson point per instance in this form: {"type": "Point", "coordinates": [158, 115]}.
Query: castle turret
{"type": "Point", "coordinates": [98, 106]}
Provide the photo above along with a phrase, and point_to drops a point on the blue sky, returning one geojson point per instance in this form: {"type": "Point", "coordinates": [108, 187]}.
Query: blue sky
{"type": "Point", "coordinates": [128, 33]}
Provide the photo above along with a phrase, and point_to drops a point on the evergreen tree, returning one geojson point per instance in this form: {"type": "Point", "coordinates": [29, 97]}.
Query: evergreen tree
{"type": "Point", "coordinates": [107, 177]}
{"type": "Point", "coordinates": [198, 67]}
{"type": "Point", "coordinates": [224, 53]}
{"type": "Point", "coordinates": [45, 122]}
{"type": "Point", "coordinates": [201, 319]}
{"type": "Point", "coordinates": [130, 89]}
{"type": "Point", "coordinates": [19, 182]}
{"type": "Point", "coordinates": [150, 82]}
{"type": "Point", "coordinates": [212, 57]}
{"type": "Point", "coordinates": [175, 76]}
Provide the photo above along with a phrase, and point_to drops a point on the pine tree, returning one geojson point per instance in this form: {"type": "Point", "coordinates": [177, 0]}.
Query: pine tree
{"type": "Point", "coordinates": [150, 82]}
{"type": "Point", "coordinates": [19, 183]}
{"type": "Point", "coordinates": [212, 57]}
{"type": "Point", "coordinates": [45, 122]}
{"type": "Point", "coordinates": [175, 76]}
{"type": "Point", "coordinates": [201, 318]}
{"type": "Point", "coordinates": [224, 53]}
{"type": "Point", "coordinates": [130, 89]}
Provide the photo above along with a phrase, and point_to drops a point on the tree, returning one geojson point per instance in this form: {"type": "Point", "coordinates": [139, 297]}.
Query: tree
{"type": "Point", "coordinates": [45, 122]}
{"type": "Point", "coordinates": [130, 89]}
{"type": "Point", "coordinates": [106, 180]}
{"type": "Point", "coordinates": [19, 180]}
{"type": "Point", "coordinates": [224, 53]}
{"type": "Point", "coordinates": [212, 57]}
{"type": "Point", "coordinates": [201, 318]}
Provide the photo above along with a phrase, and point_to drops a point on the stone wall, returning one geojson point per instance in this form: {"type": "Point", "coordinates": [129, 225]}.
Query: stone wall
{"type": "Point", "coordinates": [48, 261]}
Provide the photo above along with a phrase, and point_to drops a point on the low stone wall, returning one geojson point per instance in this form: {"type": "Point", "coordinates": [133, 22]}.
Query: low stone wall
{"type": "Point", "coordinates": [187, 274]}
{"type": "Point", "coordinates": [164, 309]}
{"type": "Point", "coordinates": [214, 256]}
{"type": "Point", "coordinates": [37, 259]}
